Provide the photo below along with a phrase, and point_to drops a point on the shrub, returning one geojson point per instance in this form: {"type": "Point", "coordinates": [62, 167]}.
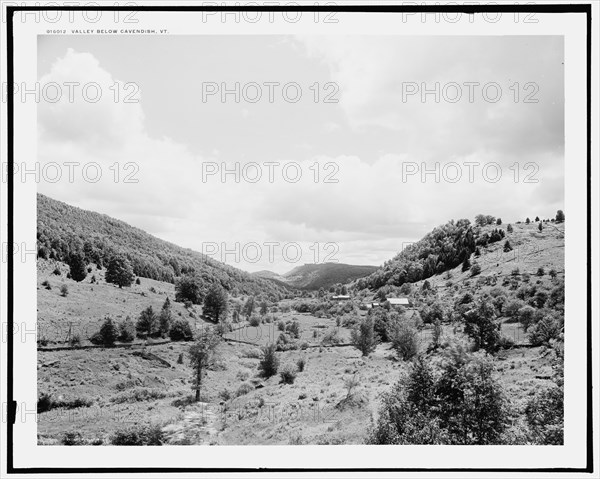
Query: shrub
{"type": "Point", "coordinates": [75, 340]}
{"type": "Point", "coordinates": [107, 335]}
{"type": "Point", "coordinates": [404, 340]}
{"type": "Point", "coordinates": [142, 435]}
{"type": "Point", "coordinates": [244, 389]}
{"type": "Point", "coordinates": [93, 279]}
{"type": "Point", "coordinates": [72, 438]}
{"type": "Point", "coordinates": [540, 271]}
{"type": "Point", "coordinates": [181, 331]}
{"type": "Point", "coordinates": [281, 326]}
{"type": "Point", "coordinates": [548, 328]}
{"type": "Point", "coordinates": [44, 403]}
{"type": "Point", "coordinates": [64, 290]}
{"type": "Point", "coordinates": [137, 281]}
{"type": "Point", "coordinates": [507, 246]}
{"type": "Point", "coordinates": [138, 394]}
{"type": "Point", "coordinates": [56, 271]}
{"type": "Point", "coordinates": [475, 269]}
{"type": "Point", "coordinates": [46, 284]}
{"type": "Point", "coordinates": [331, 337]}
{"type": "Point", "coordinates": [269, 363]}
{"type": "Point", "coordinates": [294, 329]}
{"type": "Point", "coordinates": [455, 401]}
{"type": "Point", "coordinates": [126, 331]}
{"type": "Point", "coordinates": [254, 321]}
{"type": "Point", "coordinates": [180, 358]}
{"type": "Point", "coordinates": [288, 373]}
{"type": "Point", "coordinates": [301, 364]}
{"type": "Point", "coordinates": [364, 337]}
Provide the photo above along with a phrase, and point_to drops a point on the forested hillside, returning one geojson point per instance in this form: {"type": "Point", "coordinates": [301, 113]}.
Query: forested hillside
{"type": "Point", "coordinates": [65, 232]}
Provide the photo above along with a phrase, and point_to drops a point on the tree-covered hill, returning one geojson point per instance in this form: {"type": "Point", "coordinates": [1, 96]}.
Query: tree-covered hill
{"type": "Point", "coordinates": [64, 231]}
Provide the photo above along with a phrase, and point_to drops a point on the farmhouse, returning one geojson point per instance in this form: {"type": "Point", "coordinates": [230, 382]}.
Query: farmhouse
{"type": "Point", "coordinates": [398, 301]}
{"type": "Point", "coordinates": [341, 297]}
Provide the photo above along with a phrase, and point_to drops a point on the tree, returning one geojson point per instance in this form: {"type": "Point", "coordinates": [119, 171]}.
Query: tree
{"type": "Point", "coordinates": [527, 221]}
{"type": "Point", "coordinates": [404, 340]}
{"type": "Point", "coordinates": [147, 323]}
{"type": "Point", "coordinates": [499, 221]}
{"type": "Point", "coordinates": [509, 228]}
{"type": "Point", "coordinates": [344, 289]}
{"type": "Point", "coordinates": [540, 227]}
{"type": "Point", "coordinates": [108, 332]}
{"type": "Point", "coordinates": [248, 307]}
{"type": "Point", "coordinates": [64, 290]}
{"type": "Point", "coordinates": [119, 271]}
{"type": "Point", "coordinates": [560, 216]}
{"type": "Point", "coordinates": [455, 400]}
{"type": "Point", "coordinates": [264, 308]}
{"type": "Point", "coordinates": [364, 337]}
{"type": "Point", "coordinates": [269, 362]}
{"type": "Point", "coordinates": [165, 318]}
{"type": "Point", "coordinates": [77, 266]}
{"type": "Point", "coordinates": [215, 303]}
{"type": "Point", "coordinates": [507, 246]}
{"type": "Point", "coordinates": [537, 218]}
{"type": "Point", "coordinates": [466, 265]}
{"type": "Point", "coordinates": [481, 325]}
{"type": "Point", "coordinates": [126, 331]}
{"type": "Point", "coordinates": [475, 269]}
{"type": "Point", "coordinates": [203, 356]}
{"type": "Point", "coordinates": [189, 288]}
{"type": "Point", "coordinates": [181, 331]}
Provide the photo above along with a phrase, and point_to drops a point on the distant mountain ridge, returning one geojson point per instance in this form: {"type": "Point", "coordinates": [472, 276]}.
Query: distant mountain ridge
{"type": "Point", "coordinates": [315, 276]}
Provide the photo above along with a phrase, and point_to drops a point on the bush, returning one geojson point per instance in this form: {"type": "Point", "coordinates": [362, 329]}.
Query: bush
{"type": "Point", "coordinates": [281, 326]}
{"type": "Point", "coordinates": [180, 358]}
{"type": "Point", "coordinates": [46, 284]}
{"type": "Point", "coordinates": [72, 438]}
{"type": "Point", "coordinates": [269, 363]}
{"type": "Point", "coordinates": [331, 337]}
{"type": "Point", "coordinates": [137, 281]}
{"type": "Point", "coordinates": [56, 271]}
{"type": "Point", "coordinates": [453, 401]}
{"type": "Point", "coordinates": [475, 269]}
{"type": "Point", "coordinates": [364, 337]}
{"type": "Point", "coordinates": [143, 435]}
{"type": "Point", "coordinates": [64, 290]}
{"type": "Point", "coordinates": [44, 403]}
{"type": "Point", "coordinates": [254, 321]}
{"type": "Point", "coordinates": [301, 364]}
{"type": "Point", "coordinates": [181, 331]}
{"type": "Point", "coordinates": [107, 335]}
{"type": "Point", "coordinates": [294, 329]}
{"type": "Point", "coordinates": [126, 330]}
{"type": "Point", "coordinates": [75, 340]}
{"type": "Point", "coordinates": [404, 340]}
{"type": "Point", "coordinates": [544, 331]}
{"type": "Point", "coordinates": [288, 373]}
{"type": "Point", "coordinates": [244, 389]}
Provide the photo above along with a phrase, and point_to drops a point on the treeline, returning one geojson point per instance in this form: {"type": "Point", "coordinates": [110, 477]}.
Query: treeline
{"type": "Point", "coordinates": [442, 249]}
{"type": "Point", "coordinates": [75, 236]}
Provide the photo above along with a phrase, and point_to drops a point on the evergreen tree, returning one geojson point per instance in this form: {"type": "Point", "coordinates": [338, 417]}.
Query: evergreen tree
{"type": "Point", "coordinates": [77, 266]}
{"type": "Point", "coordinates": [165, 318]}
{"type": "Point", "coordinates": [215, 303]}
{"type": "Point", "coordinates": [509, 228]}
{"type": "Point", "coordinates": [466, 264]}
{"type": "Point", "coordinates": [108, 332]}
{"type": "Point", "coordinates": [147, 323]}
{"type": "Point", "coordinates": [560, 216]}
{"type": "Point", "coordinates": [249, 307]}
{"type": "Point", "coordinates": [507, 246]}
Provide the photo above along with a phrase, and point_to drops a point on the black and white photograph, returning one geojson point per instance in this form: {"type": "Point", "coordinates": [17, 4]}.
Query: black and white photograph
{"type": "Point", "coordinates": [320, 229]}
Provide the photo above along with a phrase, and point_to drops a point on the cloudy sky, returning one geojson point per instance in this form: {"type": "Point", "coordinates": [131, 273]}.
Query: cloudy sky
{"type": "Point", "coordinates": [357, 140]}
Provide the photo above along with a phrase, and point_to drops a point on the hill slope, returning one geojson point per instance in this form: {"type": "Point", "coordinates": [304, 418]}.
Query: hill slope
{"type": "Point", "coordinates": [315, 276]}
{"type": "Point", "coordinates": [65, 229]}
